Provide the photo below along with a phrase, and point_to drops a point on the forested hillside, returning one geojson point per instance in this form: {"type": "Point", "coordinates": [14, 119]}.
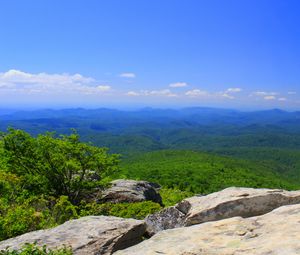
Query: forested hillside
{"type": "Point", "coordinates": [271, 138]}
{"type": "Point", "coordinates": [202, 173]}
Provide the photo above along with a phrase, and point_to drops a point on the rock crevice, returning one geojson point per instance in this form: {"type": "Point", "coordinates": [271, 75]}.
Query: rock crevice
{"type": "Point", "coordinates": [230, 202]}
{"type": "Point", "coordinates": [274, 233]}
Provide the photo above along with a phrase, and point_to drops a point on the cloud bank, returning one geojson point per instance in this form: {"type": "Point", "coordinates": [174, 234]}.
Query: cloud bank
{"type": "Point", "coordinates": [27, 83]}
{"type": "Point", "coordinates": [19, 85]}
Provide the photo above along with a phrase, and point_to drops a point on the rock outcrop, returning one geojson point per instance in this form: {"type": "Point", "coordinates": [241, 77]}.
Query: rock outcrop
{"type": "Point", "coordinates": [275, 233]}
{"type": "Point", "coordinates": [235, 221]}
{"type": "Point", "coordinates": [91, 235]}
{"type": "Point", "coordinates": [131, 191]}
{"type": "Point", "coordinates": [230, 202]}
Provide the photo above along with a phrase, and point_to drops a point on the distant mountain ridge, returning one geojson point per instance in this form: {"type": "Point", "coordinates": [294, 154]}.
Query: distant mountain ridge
{"type": "Point", "coordinates": [202, 114]}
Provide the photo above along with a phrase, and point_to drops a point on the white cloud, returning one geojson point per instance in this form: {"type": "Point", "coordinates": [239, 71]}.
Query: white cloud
{"type": "Point", "coordinates": [19, 77]}
{"type": "Point", "coordinates": [214, 95]}
{"type": "Point", "coordinates": [227, 95]}
{"type": "Point", "coordinates": [264, 94]}
{"type": "Point", "coordinates": [178, 85]}
{"type": "Point", "coordinates": [127, 75]}
{"type": "Point", "coordinates": [269, 97]}
{"type": "Point", "coordinates": [233, 90]}
{"type": "Point", "coordinates": [132, 93]}
{"type": "Point", "coordinates": [6, 85]}
{"type": "Point", "coordinates": [28, 83]}
{"type": "Point", "coordinates": [163, 92]}
{"type": "Point", "coordinates": [282, 99]}
{"type": "Point", "coordinates": [190, 93]}
{"type": "Point", "coordinates": [103, 87]}
{"type": "Point", "coordinates": [292, 93]}
{"type": "Point", "coordinates": [196, 93]}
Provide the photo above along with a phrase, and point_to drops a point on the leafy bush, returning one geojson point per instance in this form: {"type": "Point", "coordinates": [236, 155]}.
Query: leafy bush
{"type": "Point", "coordinates": [19, 219]}
{"type": "Point", "coordinates": [171, 197]}
{"type": "Point", "coordinates": [58, 166]}
{"type": "Point", "coordinates": [31, 249]}
{"type": "Point", "coordinates": [33, 213]}
{"type": "Point", "coordinates": [137, 210]}
{"type": "Point", "coordinates": [9, 185]}
{"type": "Point", "coordinates": [133, 210]}
{"type": "Point", "coordinates": [64, 210]}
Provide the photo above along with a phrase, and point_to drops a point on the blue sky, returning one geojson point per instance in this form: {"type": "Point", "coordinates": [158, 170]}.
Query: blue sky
{"type": "Point", "coordinates": [162, 53]}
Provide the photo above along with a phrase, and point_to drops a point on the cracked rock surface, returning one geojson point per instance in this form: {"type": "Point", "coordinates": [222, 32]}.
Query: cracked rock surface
{"type": "Point", "coordinates": [230, 202]}
{"type": "Point", "coordinates": [275, 233]}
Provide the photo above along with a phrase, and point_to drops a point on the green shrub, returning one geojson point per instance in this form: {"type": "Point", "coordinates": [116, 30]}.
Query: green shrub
{"type": "Point", "coordinates": [31, 249]}
{"type": "Point", "coordinates": [171, 197]}
{"type": "Point", "coordinates": [24, 215]}
{"type": "Point", "coordinates": [133, 210]}
{"type": "Point", "coordinates": [57, 166]}
{"type": "Point", "coordinates": [10, 185]}
{"type": "Point", "coordinates": [64, 210]}
{"type": "Point", "coordinates": [33, 213]}
{"type": "Point", "coordinates": [137, 210]}
{"type": "Point", "coordinates": [20, 219]}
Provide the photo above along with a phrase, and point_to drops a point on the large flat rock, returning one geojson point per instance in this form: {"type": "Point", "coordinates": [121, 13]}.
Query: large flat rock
{"type": "Point", "coordinates": [88, 235]}
{"type": "Point", "coordinates": [230, 202]}
{"type": "Point", "coordinates": [275, 233]}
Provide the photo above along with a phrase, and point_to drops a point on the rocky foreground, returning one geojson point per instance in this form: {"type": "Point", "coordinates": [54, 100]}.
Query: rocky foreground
{"type": "Point", "coordinates": [277, 232]}
{"type": "Point", "coordinates": [234, 221]}
{"type": "Point", "coordinates": [230, 202]}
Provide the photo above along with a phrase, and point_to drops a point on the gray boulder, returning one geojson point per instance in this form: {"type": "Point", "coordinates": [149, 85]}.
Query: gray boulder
{"type": "Point", "coordinates": [275, 233]}
{"type": "Point", "coordinates": [230, 202]}
{"type": "Point", "coordinates": [131, 191]}
{"type": "Point", "coordinates": [168, 218]}
{"type": "Point", "coordinates": [92, 235]}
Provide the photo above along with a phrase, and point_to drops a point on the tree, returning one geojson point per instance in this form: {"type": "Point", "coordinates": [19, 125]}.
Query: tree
{"type": "Point", "coordinates": [57, 165]}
